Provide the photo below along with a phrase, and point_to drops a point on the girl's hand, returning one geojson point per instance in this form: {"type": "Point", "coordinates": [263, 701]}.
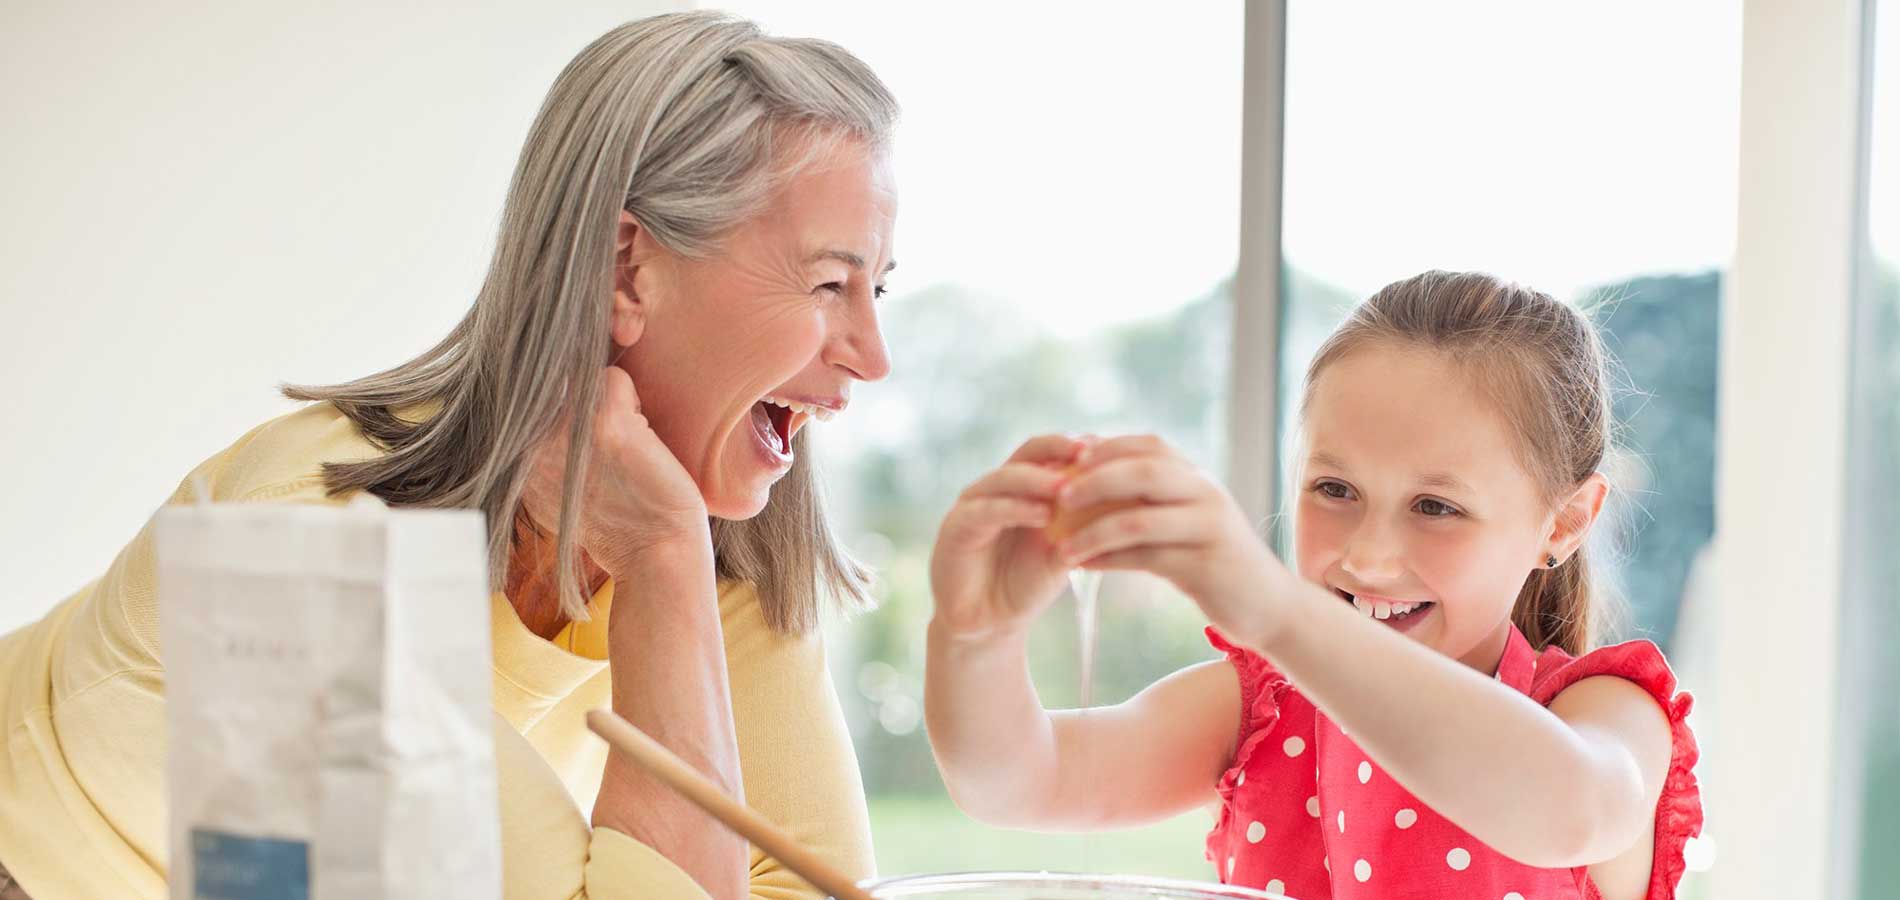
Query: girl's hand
{"type": "Point", "coordinates": [1181, 526]}
{"type": "Point", "coordinates": [637, 498]}
{"type": "Point", "coordinates": [993, 569]}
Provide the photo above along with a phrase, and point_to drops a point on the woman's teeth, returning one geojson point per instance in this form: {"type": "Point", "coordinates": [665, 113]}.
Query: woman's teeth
{"type": "Point", "coordinates": [817, 412]}
{"type": "Point", "coordinates": [1380, 609]}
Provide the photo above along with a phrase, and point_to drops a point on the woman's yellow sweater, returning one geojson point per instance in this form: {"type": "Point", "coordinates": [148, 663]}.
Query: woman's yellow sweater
{"type": "Point", "coordinates": [82, 694]}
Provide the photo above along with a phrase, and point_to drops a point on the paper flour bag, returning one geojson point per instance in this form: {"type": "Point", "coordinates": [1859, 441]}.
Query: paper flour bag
{"type": "Point", "coordinates": [327, 695]}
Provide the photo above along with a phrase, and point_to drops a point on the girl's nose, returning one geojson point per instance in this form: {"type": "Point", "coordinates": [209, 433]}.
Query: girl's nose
{"type": "Point", "coordinates": [1373, 553]}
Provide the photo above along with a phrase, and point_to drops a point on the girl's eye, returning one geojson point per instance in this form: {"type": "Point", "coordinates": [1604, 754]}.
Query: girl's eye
{"type": "Point", "coordinates": [1435, 509]}
{"type": "Point", "coordinates": [1333, 489]}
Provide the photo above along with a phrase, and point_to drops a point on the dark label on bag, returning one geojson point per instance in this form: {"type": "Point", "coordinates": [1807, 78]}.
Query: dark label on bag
{"type": "Point", "coordinates": [238, 867]}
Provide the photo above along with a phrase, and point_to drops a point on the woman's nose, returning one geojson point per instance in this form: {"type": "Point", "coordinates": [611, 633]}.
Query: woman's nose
{"type": "Point", "coordinates": [857, 342]}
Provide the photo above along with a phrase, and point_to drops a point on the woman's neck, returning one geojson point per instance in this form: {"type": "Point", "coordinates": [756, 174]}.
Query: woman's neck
{"type": "Point", "coordinates": [531, 587]}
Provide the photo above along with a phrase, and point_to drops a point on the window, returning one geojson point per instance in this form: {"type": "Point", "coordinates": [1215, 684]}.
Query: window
{"type": "Point", "coordinates": [1587, 151]}
{"type": "Point", "coordinates": [1066, 237]}
{"type": "Point", "coordinates": [1870, 673]}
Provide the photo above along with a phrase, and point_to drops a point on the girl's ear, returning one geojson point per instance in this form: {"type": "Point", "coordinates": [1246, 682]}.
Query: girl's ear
{"type": "Point", "coordinates": [1574, 519]}
{"type": "Point", "coordinates": [633, 251]}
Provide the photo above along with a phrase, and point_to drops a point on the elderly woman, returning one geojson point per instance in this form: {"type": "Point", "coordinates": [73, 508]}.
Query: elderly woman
{"type": "Point", "coordinates": [695, 234]}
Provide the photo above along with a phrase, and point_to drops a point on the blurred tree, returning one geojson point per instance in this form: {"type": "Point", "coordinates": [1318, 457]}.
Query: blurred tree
{"type": "Point", "coordinates": [1664, 333]}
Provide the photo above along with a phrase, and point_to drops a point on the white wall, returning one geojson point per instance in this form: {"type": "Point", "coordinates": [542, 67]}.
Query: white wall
{"type": "Point", "coordinates": [201, 200]}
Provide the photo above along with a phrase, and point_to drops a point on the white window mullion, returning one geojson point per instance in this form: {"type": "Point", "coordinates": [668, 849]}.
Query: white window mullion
{"type": "Point", "coordinates": [1253, 396]}
{"type": "Point", "coordinates": [1781, 450]}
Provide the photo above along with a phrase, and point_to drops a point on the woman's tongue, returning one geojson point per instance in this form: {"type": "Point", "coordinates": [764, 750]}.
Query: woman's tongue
{"type": "Point", "coordinates": [771, 421]}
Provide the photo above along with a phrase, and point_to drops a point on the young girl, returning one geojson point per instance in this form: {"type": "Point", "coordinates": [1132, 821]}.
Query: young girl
{"type": "Point", "coordinates": [1418, 712]}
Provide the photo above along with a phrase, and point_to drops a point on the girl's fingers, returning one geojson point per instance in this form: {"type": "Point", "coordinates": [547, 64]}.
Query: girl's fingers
{"type": "Point", "coordinates": [1179, 525]}
{"type": "Point", "coordinates": [1145, 479]}
{"type": "Point", "coordinates": [1017, 479]}
{"type": "Point", "coordinates": [1048, 450]}
{"type": "Point", "coordinates": [1126, 446]}
{"type": "Point", "coordinates": [1138, 559]}
{"type": "Point", "coordinates": [982, 518]}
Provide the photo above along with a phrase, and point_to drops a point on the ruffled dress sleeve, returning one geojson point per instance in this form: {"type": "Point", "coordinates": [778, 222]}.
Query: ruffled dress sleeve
{"type": "Point", "coordinates": [1679, 811]}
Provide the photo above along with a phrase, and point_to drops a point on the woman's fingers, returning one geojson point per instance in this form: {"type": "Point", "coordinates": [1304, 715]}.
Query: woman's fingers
{"type": "Point", "coordinates": [617, 391]}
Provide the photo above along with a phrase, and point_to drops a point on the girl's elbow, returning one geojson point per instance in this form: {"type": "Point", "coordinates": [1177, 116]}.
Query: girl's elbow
{"type": "Point", "coordinates": [990, 806]}
{"type": "Point", "coordinates": [1609, 817]}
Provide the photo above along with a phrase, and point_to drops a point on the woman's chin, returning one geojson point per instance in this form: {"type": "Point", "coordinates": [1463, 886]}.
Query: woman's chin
{"type": "Point", "coordinates": [734, 502]}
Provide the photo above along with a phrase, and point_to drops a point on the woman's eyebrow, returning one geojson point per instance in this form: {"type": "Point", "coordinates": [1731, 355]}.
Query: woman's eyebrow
{"type": "Point", "coordinates": [848, 258]}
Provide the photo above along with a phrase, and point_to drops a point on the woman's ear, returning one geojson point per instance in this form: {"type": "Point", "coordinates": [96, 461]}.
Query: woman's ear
{"type": "Point", "coordinates": [1575, 517]}
{"type": "Point", "coordinates": [630, 308]}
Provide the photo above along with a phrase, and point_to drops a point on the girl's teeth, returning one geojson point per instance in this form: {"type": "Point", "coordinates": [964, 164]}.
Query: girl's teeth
{"type": "Point", "coordinates": [1381, 609]}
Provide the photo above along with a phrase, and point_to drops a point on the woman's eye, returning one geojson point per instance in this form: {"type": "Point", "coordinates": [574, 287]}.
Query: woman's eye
{"type": "Point", "coordinates": [1334, 490]}
{"type": "Point", "coordinates": [1435, 509]}
{"type": "Point", "coordinates": [879, 291]}
{"type": "Point", "coordinates": [832, 287]}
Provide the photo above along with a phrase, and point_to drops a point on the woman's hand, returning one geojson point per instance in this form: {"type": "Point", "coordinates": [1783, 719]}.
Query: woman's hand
{"type": "Point", "coordinates": [1177, 523]}
{"type": "Point", "coordinates": [637, 497]}
{"type": "Point", "coordinates": [993, 569]}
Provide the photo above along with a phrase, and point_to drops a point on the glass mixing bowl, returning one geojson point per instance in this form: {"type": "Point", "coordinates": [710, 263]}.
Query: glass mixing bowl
{"type": "Point", "coordinates": [1054, 886]}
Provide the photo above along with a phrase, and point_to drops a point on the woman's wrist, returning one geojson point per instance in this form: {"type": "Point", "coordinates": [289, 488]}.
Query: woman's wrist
{"type": "Point", "coordinates": [686, 550]}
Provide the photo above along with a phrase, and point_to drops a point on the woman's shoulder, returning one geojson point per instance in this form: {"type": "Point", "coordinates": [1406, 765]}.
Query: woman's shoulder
{"type": "Point", "coordinates": [282, 459]}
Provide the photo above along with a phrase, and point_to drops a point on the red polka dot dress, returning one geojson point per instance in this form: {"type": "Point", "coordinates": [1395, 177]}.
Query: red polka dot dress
{"type": "Point", "coordinates": [1306, 813]}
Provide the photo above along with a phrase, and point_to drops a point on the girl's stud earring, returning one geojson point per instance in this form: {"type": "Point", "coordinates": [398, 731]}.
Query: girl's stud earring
{"type": "Point", "coordinates": [1550, 561]}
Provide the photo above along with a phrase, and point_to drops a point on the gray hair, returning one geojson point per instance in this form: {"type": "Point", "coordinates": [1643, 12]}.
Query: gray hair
{"type": "Point", "coordinates": [686, 121]}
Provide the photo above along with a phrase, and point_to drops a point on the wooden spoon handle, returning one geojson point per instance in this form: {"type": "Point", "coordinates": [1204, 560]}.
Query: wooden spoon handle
{"type": "Point", "coordinates": [661, 763]}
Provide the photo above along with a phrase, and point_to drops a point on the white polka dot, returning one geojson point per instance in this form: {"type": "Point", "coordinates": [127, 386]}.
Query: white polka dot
{"type": "Point", "coordinates": [1276, 886]}
{"type": "Point", "coordinates": [1362, 870]}
{"type": "Point", "coordinates": [1295, 745]}
{"type": "Point", "coordinates": [1326, 864]}
{"type": "Point", "coordinates": [1513, 896]}
{"type": "Point", "coordinates": [1241, 780]}
{"type": "Point", "coordinates": [1230, 868]}
{"type": "Point", "coordinates": [1255, 832]}
{"type": "Point", "coordinates": [1459, 859]}
{"type": "Point", "coordinates": [1312, 807]}
{"type": "Point", "coordinates": [1406, 818]}
{"type": "Point", "coordinates": [1365, 771]}
{"type": "Point", "coordinates": [1342, 821]}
